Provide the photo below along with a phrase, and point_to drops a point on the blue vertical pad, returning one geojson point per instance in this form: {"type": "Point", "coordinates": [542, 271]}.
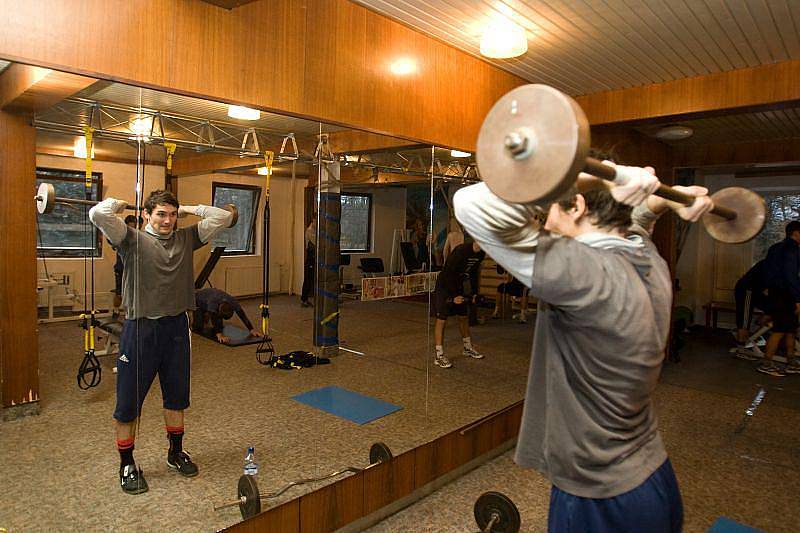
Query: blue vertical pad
{"type": "Point", "coordinates": [726, 525]}
{"type": "Point", "coordinates": [347, 404]}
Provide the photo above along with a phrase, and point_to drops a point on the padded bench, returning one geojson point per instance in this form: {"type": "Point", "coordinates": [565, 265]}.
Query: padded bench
{"type": "Point", "coordinates": [712, 310]}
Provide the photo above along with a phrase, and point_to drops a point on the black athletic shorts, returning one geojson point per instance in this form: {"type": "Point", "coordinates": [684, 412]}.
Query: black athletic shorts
{"type": "Point", "coordinates": [782, 311]}
{"type": "Point", "coordinates": [444, 307]}
{"type": "Point", "coordinates": [150, 347]}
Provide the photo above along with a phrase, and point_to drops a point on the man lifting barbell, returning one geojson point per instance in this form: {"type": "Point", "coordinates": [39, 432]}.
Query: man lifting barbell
{"type": "Point", "coordinates": [605, 296]}
{"type": "Point", "coordinates": [158, 282]}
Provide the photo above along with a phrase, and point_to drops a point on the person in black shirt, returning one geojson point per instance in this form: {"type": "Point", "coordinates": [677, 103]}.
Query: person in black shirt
{"type": "Point", "coordinates": [456, 288]}
{"type": "Point", "coordinates": [782, 272]}
{"type": "Point", "coordinates": [215, 306]}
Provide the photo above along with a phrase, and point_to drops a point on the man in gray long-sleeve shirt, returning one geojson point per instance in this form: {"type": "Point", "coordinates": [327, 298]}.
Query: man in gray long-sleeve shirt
{"type": "Point", "coordinates": [158, 282]}
{"type": "Point", "coordinates": [605, 297]}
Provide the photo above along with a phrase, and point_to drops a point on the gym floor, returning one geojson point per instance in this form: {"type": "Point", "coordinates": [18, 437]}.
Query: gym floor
{"type": "Point", "coordinates": [62, 464]}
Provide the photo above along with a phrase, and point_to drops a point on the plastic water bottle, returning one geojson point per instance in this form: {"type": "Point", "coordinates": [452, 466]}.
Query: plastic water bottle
{"type": "Point", "coordinates": [250, 464]}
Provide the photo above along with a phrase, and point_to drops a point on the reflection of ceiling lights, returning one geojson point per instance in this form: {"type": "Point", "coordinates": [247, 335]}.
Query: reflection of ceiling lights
{"type": "Point", "coordinates": [79, 148]}
{"type": "Point", "coordinates": [403, 67]}
{"type": "Point", "coordinates": [243, 113]}
{"type": "Point", "coordinates": [503, 39]}
{"type": "Point", "coordinates": [141, 125]}
{"type": "Point", "coordinates": [263, 171]}
{"type": "Point", "coordinates": [674, 133]}
{"type": "Point", "coordinates": [459, 153]}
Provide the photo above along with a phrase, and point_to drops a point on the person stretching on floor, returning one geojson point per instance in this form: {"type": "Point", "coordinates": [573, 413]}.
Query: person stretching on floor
{"type": "Point", "coordinates": [605, 297]}
{"type": "Point", "coordinates": [456, 289]}
{"type": "Point", "coordinates": [215, 306]}
{"type": "Point", "coordinates": [158, 290]}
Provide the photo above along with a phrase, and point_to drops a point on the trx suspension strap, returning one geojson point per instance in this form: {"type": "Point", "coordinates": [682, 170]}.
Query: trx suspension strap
{"type": "Point", "coordinates": [265, 350]}
{"type": "Point", "coordinates": [90, 371]}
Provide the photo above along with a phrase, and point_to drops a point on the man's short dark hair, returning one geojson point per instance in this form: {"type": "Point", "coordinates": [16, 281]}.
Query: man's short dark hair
{"type": "Point", "coordinates": [130, 218]}
{"type": "Point", "coordinates": [601, 207]}
{"type": "Point", "coordinates": [225, 310]}
{"type": "Point", "coordinates": [792, 226]}
{"type": "Point", "coordinates": [160, 197]}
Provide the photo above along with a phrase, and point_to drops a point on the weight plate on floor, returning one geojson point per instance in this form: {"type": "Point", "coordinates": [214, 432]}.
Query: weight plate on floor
{"type": "Point", "coordinates": [248, 489]}
{"type": "Point", "coordinates": [379, 453]}
{"type": "Point", "coordinates": [495, 503]}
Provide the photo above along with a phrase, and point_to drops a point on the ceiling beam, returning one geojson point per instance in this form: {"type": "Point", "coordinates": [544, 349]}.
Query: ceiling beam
{"type": "Point", "coordinates": [762, 86]}
{"type": "Point", "coordinates": [198, 164]}
{"type": "Point", "coordinates": [737, 154]}
{"type": "Point", "coordinates": [350, 141]}
{"type": "Point", "coordinates": [26, 89]}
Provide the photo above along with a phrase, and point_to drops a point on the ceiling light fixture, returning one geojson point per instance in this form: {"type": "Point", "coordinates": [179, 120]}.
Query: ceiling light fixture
{"type": "Point", "coordinates": [503, 39]}
{"type": "Point", "coordinates": [674, 133]}
{"type": "Point", "coordinates": [243, 113]}
{"type": "Point", "coordinates": [141, 125]}
{"type": "Point", "coordinates": [459, 153]}
{"type": "Point", "coordinates": [403, 67]}
{"type": "Point", "coordinates": [79, 148]}
{"type": "Point", "coordinates": [263, 171]}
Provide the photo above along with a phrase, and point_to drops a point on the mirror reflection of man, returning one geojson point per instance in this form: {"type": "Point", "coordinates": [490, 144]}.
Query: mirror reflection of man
{"type": "Point", "coordinates": [158, 290]}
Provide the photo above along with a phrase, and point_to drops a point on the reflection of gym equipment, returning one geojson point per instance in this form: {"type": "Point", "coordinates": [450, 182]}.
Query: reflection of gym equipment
{"type": "Point", "coordinates": [410, 258]}
{"type": "Point", "coordinates": [213, 259]}
{"type": "Point", "coordinates": [46, 201]}
{"type": "Point", "coordinates": [249, 499]}
{"type": "Point", "coordinates": [49, 285]}
{"type": "Point", "coordinates": [496, 513]}
{"type": "Point", "coordinates": [372, 267]}
{"type": "Point", "coordinates": [265, 350]}
{"type": "Point", "coordinates": [535, 140]}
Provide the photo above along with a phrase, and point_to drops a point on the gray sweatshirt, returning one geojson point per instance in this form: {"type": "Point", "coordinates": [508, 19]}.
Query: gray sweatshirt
{"type": "Point", "coordinates": [601, 329]}
{"type": "Point", "coordinates": [158, 279]}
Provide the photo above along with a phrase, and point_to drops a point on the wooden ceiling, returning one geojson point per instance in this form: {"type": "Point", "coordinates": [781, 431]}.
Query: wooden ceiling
{"type": "Point", "coordinates": [768, 125]}
{"type": "Point", "coordinates": [228, 4]}
{"type": "Point", "coordinates": [589, 46]}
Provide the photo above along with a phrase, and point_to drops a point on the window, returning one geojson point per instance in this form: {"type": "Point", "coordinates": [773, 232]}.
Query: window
{"type": "Point", "coordinates": [240, 239]}
{"type": "Point", "coordinates": [356, 232]}
{"type": "Point", "coordinates": [782, 207]}
{"type": "Point", "coordinates": [67, 232]}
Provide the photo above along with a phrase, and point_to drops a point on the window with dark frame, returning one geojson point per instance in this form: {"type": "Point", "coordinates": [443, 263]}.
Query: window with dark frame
{"type": "Point", "coordinates": [356, 223]}
{"type": "Point", "coordinates": [240, 239]}
{"type": "Point", "coordinates": [67, 231]}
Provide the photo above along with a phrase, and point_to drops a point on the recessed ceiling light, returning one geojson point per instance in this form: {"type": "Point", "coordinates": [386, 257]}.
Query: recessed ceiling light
{"type": "Point", "coordinates": [79, 148]}
{"type": "Point", "coordinates": [243, 113]}
{"type": "Point", "coordinates": [674, 133]}
{"type": "Point", "coordinates": [503, 39]}
{"type": "Point", "coordinates": [459, 153]}
{"type": "Point", "coordinates": [403, 66]}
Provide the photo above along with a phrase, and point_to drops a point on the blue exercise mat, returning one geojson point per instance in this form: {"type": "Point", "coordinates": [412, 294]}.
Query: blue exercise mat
{"type": "Point", "coordinates": [726, 525]}
{"type": "Point", "coordinates": [347, 404]}
{"type": "Point", "coordinates": [238, 336]}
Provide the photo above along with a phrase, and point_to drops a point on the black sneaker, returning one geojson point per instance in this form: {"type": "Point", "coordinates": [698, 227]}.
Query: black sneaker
{"type": "Point", "coordinates": [182, 462]}
{"type": "Point", "coordinates": [132, 480]}
{"type": "Point", "coordinates": [771, 369]}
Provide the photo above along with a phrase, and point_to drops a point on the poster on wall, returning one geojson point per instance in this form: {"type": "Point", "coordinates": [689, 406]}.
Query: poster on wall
{"type": "Point", "coordinates": [417, 220]}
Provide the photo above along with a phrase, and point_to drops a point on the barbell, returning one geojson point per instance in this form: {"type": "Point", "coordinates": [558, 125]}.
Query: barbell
{"type": "Point", "coordinates": [249, 498]}
{"type": "Point", "coordinates": [46, 201]}
{"type": "Point", "coordinates": [535, 141]}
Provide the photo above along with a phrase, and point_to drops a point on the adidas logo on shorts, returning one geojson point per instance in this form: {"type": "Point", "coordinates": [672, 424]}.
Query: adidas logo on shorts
{"type": "Point", "coordinates": [124, 359]}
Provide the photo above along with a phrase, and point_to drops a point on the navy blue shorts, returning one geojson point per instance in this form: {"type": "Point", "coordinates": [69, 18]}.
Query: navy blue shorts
{"type": "Point", "coordinates": [654, 506]}
{"type": "Point", "coordinates": [148, 348]}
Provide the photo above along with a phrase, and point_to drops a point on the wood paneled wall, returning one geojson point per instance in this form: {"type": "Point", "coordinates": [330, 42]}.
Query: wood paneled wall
{"type": "Point", "coordinates": [19, 363]}
{"type": "Point", "coordinates": [345, 501]}
{"type": "Point", "coordinates": [323, 59]}
{"type": "Point", "coordinates": [750, 87]}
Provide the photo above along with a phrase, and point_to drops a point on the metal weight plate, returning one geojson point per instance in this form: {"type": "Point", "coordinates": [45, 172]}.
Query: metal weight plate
{"type": "Point", "coordinates": [232, 208]}
{"type": "Point", "coordinates": [495, 503]}
{"type": "Point", "coordinates": [45, 198]}
{"type": "Point", "coordinates": [751, 211]}
{"type": "Point", "coordinates": [248, 488]}
{"type": "Point", "coordinates": [379, 453]}
{"type": "Point", "coordinates": [558, 135]}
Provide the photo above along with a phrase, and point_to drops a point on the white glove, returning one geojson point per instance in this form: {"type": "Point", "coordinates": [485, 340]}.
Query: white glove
{"type": "Point", "coordinates": [633, 184]}
{"type": "Point", "coordinates": [702, 203]}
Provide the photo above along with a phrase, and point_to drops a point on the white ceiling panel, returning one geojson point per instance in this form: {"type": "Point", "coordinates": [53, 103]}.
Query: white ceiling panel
{"type": "Point", "coordinates": [588, 46]}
